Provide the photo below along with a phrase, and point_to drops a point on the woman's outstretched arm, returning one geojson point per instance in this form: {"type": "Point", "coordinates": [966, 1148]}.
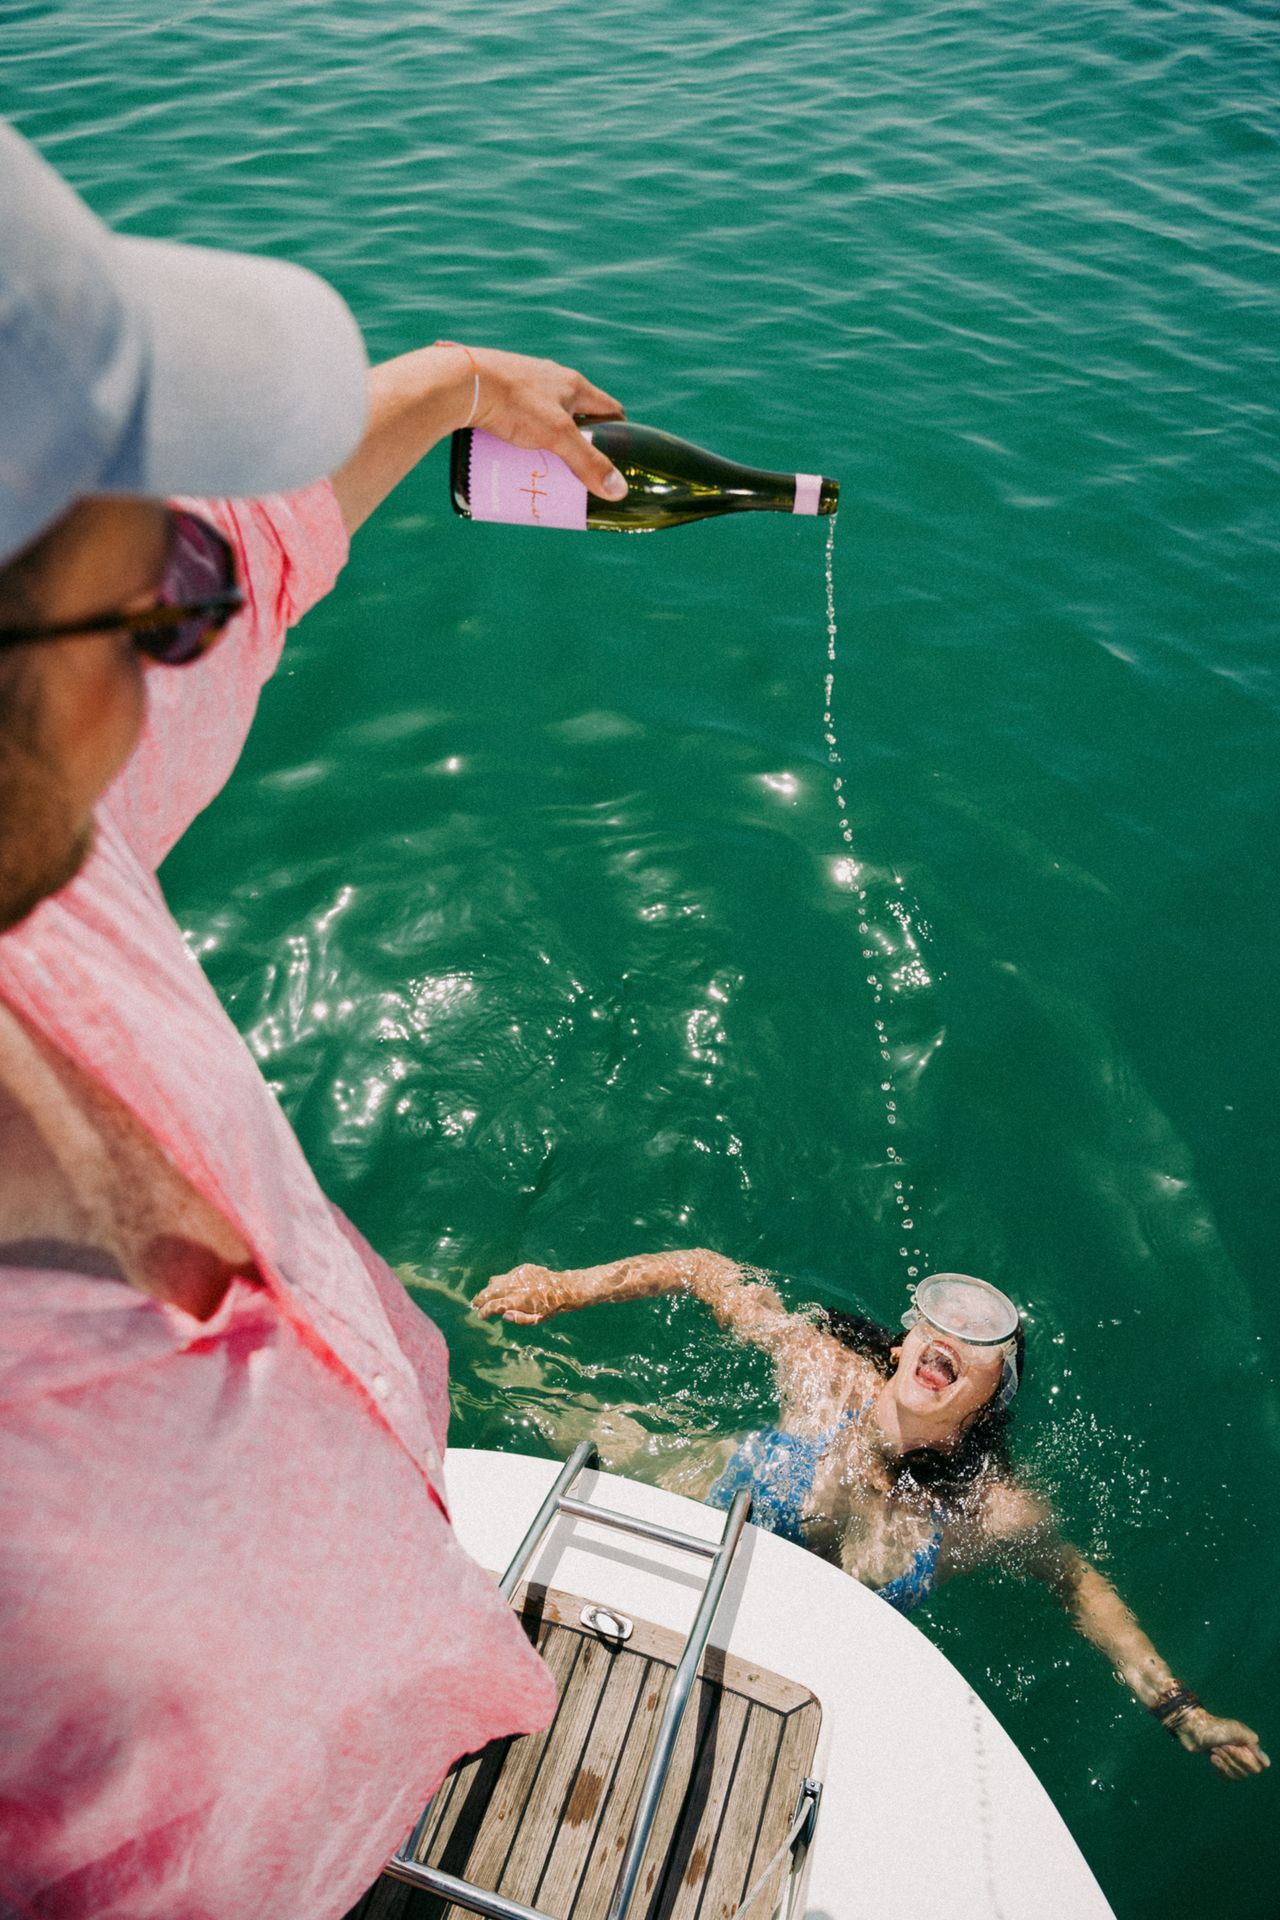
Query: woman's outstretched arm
{"type": "Point", "coordinates": [1026, 1539]}
{"type": "Point", "coordinates": [531, 1293]}
{"type": "Point", "coordinates": [752, 1310]}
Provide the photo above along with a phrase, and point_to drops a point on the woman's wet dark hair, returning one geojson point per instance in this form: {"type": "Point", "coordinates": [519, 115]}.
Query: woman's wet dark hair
{"type": "Point", "coordinates": [983, 1451]}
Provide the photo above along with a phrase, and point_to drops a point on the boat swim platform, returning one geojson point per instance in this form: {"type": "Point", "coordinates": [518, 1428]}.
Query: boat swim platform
{"type": "Point", "coordinates": [544, 1818]}
{"type": "Point", "coordinates": [899, 1726]}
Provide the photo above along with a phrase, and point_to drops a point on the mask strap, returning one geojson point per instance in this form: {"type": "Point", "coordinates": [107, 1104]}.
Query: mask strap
{"type": "Point", "coordinates": [1008, 1379]}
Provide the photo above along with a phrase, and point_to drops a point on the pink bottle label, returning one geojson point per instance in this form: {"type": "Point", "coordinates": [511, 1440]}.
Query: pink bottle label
{"type": "Point", "coordinates": [523, 488]}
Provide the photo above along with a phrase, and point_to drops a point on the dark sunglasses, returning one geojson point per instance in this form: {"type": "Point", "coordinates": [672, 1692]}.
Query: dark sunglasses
{"type": "Point", "coordinates": [197, 597]}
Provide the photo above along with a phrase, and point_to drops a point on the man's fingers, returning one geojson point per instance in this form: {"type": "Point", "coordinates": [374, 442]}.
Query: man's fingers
{"type": "Point", "coordinates": [598, 474]}
{"type": "Point", "coordinates": [595, 400]}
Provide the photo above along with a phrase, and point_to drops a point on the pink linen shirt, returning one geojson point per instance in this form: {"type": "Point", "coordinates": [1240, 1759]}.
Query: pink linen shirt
{"type": "Point", "coordinates": [241, 1643]}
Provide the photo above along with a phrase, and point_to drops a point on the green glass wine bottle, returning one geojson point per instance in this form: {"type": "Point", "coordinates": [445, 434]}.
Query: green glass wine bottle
{"type": "Point", "coordinates": [669, 482]}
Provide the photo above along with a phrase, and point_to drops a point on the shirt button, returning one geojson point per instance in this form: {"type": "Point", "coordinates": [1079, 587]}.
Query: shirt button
{"type": "Point", "coordinates": [381, 1385]}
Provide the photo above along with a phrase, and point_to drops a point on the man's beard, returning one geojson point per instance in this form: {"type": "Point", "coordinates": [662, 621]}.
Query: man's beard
{"type": "Point", "coordinates": [41, 849]}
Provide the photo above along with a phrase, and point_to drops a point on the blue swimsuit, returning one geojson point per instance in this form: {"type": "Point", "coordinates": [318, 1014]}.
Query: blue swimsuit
{"type": "Point", "coordinates": [778, 1468]}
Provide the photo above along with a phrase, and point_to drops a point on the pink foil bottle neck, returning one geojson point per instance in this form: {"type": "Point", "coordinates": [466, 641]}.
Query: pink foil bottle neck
{"type": "Point", "coordinates": [808, 493]}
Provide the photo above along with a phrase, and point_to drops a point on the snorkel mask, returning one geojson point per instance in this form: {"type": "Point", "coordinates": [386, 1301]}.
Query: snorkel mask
{"type": "Point", "coordinates": [974, 1313]}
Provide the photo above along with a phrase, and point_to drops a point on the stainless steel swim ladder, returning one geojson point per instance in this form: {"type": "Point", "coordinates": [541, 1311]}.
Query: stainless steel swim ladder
{"type": "Point", "coordinates": [562, 1500]}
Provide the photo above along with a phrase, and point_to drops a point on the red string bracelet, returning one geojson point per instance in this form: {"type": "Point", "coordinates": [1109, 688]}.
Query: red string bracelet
{"type": "Point", "coordinates": [475, 391]}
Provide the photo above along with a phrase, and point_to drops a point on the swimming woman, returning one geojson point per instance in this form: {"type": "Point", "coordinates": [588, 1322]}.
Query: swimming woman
{"type": "Point", "coordinates": [890, 1456]}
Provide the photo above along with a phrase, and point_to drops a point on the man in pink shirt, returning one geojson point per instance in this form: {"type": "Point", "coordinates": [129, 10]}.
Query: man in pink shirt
{"type": "Point", "coordinates": [241, 1644]}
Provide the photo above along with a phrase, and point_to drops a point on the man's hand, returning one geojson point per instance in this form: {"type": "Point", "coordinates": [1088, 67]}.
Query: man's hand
{"type": "Point", "coordinates": [532, 403]}
{"type": "Point", "coordinates": [416, 400]}
{"type": "Point", "coordinates": [525, 1296]}
{"type": "Point", "coordinates": [1233, 1748]}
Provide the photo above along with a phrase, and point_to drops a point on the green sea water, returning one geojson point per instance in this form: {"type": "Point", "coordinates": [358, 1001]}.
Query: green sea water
{"type": "Point", "coordinates": [535, 893]}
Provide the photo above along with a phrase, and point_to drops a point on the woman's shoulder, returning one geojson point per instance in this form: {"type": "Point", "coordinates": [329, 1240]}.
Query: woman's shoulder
{"type": "Point", "coordinates": [1015, 1525]}
{"type": "Point", "coordinates": [998, 1520]}
{"type": "Point", "coordinates": [1007, 1508]}
{"type": "Point", "coordinates": [826, 1390]}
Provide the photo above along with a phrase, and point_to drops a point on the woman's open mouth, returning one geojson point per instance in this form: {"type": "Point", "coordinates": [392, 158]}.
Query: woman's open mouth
{"type": "Point", "coordinates": [937, 1367]}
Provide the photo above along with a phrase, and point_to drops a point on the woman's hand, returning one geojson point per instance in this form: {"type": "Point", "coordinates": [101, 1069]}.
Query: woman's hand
{"type": "Point", "coordinates": [1233, 1748]}
{"type": "Point", "coordinates": [525, 1295]}
{"type": "Point", "coordinates": [532, 403]}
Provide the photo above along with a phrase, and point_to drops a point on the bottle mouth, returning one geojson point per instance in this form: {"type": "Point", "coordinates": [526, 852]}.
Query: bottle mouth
{"type": "Point", "coordinates": [829, 496]}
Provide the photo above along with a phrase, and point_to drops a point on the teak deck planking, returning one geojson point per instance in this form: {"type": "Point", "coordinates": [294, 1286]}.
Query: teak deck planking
{"type": "Point", "coordinates": [544, 1818]}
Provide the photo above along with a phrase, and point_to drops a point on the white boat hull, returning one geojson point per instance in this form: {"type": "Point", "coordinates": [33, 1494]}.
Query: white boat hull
{"type": "Point", "coordinates": [928, 1806]}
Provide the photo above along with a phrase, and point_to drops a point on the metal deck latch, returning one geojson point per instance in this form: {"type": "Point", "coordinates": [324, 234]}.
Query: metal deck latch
{"type": "Point", "coordinates": [609, 1625]}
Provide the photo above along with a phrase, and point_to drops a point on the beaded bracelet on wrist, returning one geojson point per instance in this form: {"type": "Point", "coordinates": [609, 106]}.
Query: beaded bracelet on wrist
{"type": "Point", "coordinates": [1174, 1708]}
